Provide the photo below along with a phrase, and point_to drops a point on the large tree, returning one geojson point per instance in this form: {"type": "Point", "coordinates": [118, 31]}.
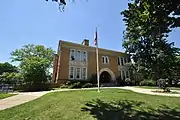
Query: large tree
{"type": "Point", "coordinates": [7, 67]}
{"type": "Point", "coordinates": [35, 62]}
{"type": "Point", "coordinates": [145, 38]}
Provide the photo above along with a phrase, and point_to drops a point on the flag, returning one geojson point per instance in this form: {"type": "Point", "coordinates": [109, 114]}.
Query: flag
{"type": "Point", "coordinates": [60, 1]}
{"type": "Point", "coordinates": [95, 38]}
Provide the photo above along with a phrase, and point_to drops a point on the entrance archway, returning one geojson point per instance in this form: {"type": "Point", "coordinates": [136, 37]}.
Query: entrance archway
{"type": "Point", "coordinates": [106, 75]}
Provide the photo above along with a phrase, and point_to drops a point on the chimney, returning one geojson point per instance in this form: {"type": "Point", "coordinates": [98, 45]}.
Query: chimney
{"type": "Point", "coordinates": [85, 42]}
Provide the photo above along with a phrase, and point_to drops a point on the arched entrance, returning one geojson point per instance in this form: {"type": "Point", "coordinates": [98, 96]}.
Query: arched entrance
{"type": "Point", "coordinates": [106, 75]}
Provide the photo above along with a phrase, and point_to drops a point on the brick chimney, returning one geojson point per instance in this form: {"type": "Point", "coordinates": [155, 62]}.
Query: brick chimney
{"type": "Point", "coordinates": [85, 42]}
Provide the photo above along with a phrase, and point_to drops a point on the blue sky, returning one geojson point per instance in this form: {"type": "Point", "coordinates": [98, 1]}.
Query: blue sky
{"type": "Point", "coordinates": [40, 22]}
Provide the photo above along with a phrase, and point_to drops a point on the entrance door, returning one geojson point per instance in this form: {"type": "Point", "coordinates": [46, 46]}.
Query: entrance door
{"type": "Point", "coordinates": [105, 77]}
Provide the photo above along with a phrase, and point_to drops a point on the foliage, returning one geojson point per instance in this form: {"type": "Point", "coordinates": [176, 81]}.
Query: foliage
{"type": "Point", "coordinates": [162, 83]}
{"type": "Point", "coordinates": [120, 82]}
{"type": "Point", "coordinates": [64, 86]}
{"type": "Point", "coordinates": [76, 85]}
{"type": "Point", "coordinates": [34, 70]}
{"type": "Point", "coordinates": [148, 82]}
{"type": "Point", "coordinates": [88, 85]}
{"type": "Point", "coordinates": [6, 67]}
{"type": "Point", "coordinates": [30, 50]}
{"type": "Point", "coordinates": [93, 79]}
{"type": "Point", "coordinates": [35, 62]}
{"type": "Point", "coordinates": [145, 38]}
{"type": "Point", "coordinates": [11, 78]}
{"type": "Point", "coordinates": [128, 81]}
{"type": "Point", "coordinates": [68, 83]}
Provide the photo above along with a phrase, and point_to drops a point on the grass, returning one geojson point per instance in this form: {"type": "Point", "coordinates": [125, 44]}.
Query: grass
{"type": "Point", "coordinates": [109, 104]}
{"type": "Point", "coordinates": [5, 95]}
{"type": "Point", "coordinates": [154, 87]}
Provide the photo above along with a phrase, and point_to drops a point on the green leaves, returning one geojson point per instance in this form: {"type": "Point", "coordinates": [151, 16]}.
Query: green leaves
{"type": "Point", "coordinates": [148, 23]}
{"type": "Point", "coordinates": [34, 70]}
{"type": "Point", "coordinates": [6, 67]}
{"type": "Point", "coordinates": [35, 62]}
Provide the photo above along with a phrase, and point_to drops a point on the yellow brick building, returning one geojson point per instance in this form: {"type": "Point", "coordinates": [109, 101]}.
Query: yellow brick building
{"type": "Point", "coordinates": [78, 62]}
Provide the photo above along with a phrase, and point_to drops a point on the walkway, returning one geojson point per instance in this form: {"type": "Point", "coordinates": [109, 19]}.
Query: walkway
{"type": "Point", "coordinates": [149, 91]}
{"type": "Point", "coordinates": [29, 96]}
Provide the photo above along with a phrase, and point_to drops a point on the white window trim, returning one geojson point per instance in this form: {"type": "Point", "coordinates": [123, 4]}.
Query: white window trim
{"type": "Point", "coordinates": [85, 73]}
{"type": "Point", "coordinates": [78, 57]}
{"type": "Point", "coordinates": [119, 59]}
{"type": "Point", "coordinates": [82, 57]}
{"type": "Point", "coordinates": [79, 73]}
{"type": "Point", "coordinates": [71, 54]}
{"type": "Point", "coordinates": [70, 72]}
{"type": "Point", "coordinates": [104, 58]}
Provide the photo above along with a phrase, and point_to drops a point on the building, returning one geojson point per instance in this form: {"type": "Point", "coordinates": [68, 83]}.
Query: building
{"type": "Point", "coordinates": [78, 62]}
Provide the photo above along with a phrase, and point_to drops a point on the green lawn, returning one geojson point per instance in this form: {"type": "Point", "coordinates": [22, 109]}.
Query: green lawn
{"type": "Point", "coordinates": [109, 104]}
{"type": "Point", "coordinates": [154, 87]}
{"type": "Point", "coordinates": [4, 95]}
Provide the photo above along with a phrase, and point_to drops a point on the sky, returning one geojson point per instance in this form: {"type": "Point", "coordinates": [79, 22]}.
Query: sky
{"type": "Point", "coordinates": [41, 23]}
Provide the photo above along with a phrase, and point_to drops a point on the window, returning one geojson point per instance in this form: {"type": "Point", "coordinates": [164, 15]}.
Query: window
{"type": "Point", "coordinates": [127, 60]}
{"type": "Point", "coordinates": [78, 73]}
{"type": "Point", "coordinates": [78, 55]}
{"type": "Point", "coordinates": [83, 73]}
{"type": "Point", "coordinates": [124, 76]}
{"type": "Point", "coordinates": [72, 53]}
{"type": "Point", "coordinates": [105, 60]}
{"type": "Point", "coordinates": [122, 61]}
{"type": "Point", "coordinates": [71, 73]}
{"type": "Point", "coordinates": [119, 61]}
{"type": "Point", "coordinates": [84, 56]}
{"type": "Point", "coordinates": [127, 74]}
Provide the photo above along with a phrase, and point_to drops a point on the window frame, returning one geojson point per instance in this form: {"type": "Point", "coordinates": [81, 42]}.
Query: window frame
{"type": "Point", "coordinates": [77, 72]}
{"type": "Point", "coordinates": [74, 54]}
{"type": "Point", "coordinates": [71, 71]}
{"type": "Point", "coordinates": [82, 56]}
{"type": "Point", "coordinates": [105, 60]}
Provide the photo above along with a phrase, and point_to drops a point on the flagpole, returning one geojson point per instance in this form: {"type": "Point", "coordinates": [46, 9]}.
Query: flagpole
{"type": "Point", "coordinates": [97, 60]}
{"type": "Point", "coordinates": [97, 56]}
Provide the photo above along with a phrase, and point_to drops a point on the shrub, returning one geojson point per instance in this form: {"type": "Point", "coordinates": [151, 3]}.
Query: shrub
{"type": "Point", "coordinates": [93, 79]}
{"type": "Point", "coordinates": [148, 83]}
{"type": "Point", "coordinates": [68, 83]}
{"type": "Point", "coordinates": [120, 82]}
{"type": "Point", "coordinates": [75, 85]}
{"type": "Point", "coordinates": [162, 84]}
{"type": "Point", "coordinates": [87, 85]}
{"type": "Point", "coordinates": [128, 81]}
{"type": "Point", "coordinates": [64, 86]}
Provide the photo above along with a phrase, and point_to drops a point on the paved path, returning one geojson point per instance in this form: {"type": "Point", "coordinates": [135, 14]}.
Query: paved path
{"type": "Point", "coordinates": [29, 96]}
{"type": "Point", "coordinates": [149, 91]}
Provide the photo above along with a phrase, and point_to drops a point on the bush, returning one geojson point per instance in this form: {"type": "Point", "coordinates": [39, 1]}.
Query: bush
{"type": "Point", "coordinates": [120, 82]}
{"type": "Point", "coordinates": [93, 79]}
{"type": "Point", "coordinates": [128, 81]}
{"type": "Point", "coordinates": [76, 85]}
{"type": "Point", "coordinates": [64, 86]}
{"type": "Point", "coordinates": [33, 88]}
{"type": "Point", "coordinates": [147, 83]}
{"type": "Point", "coordinates": [87, 85]}
{"type": "Point", "coordinates": [68, 83]}
{"type": "Point", "coordinates": [162, 84]}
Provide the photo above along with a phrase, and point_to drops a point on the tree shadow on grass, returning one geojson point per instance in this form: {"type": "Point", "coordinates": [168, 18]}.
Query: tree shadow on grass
{"type": "Point", "coordinates": [129, 110]}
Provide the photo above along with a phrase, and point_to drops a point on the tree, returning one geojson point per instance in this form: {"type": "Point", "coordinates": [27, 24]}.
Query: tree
{"type": "Point", "coordinates": [145, 38]}
{"type": "Point", "coordinates": [30, 50]}
{"type": "Point", "coordinates": [11, 78]}
{"type": "Point", "coordinates": [35, 62]}
{"type": "Point", "coordinates": [6, 67]}
{"type": "Point", "coordinates": [35, 70]}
